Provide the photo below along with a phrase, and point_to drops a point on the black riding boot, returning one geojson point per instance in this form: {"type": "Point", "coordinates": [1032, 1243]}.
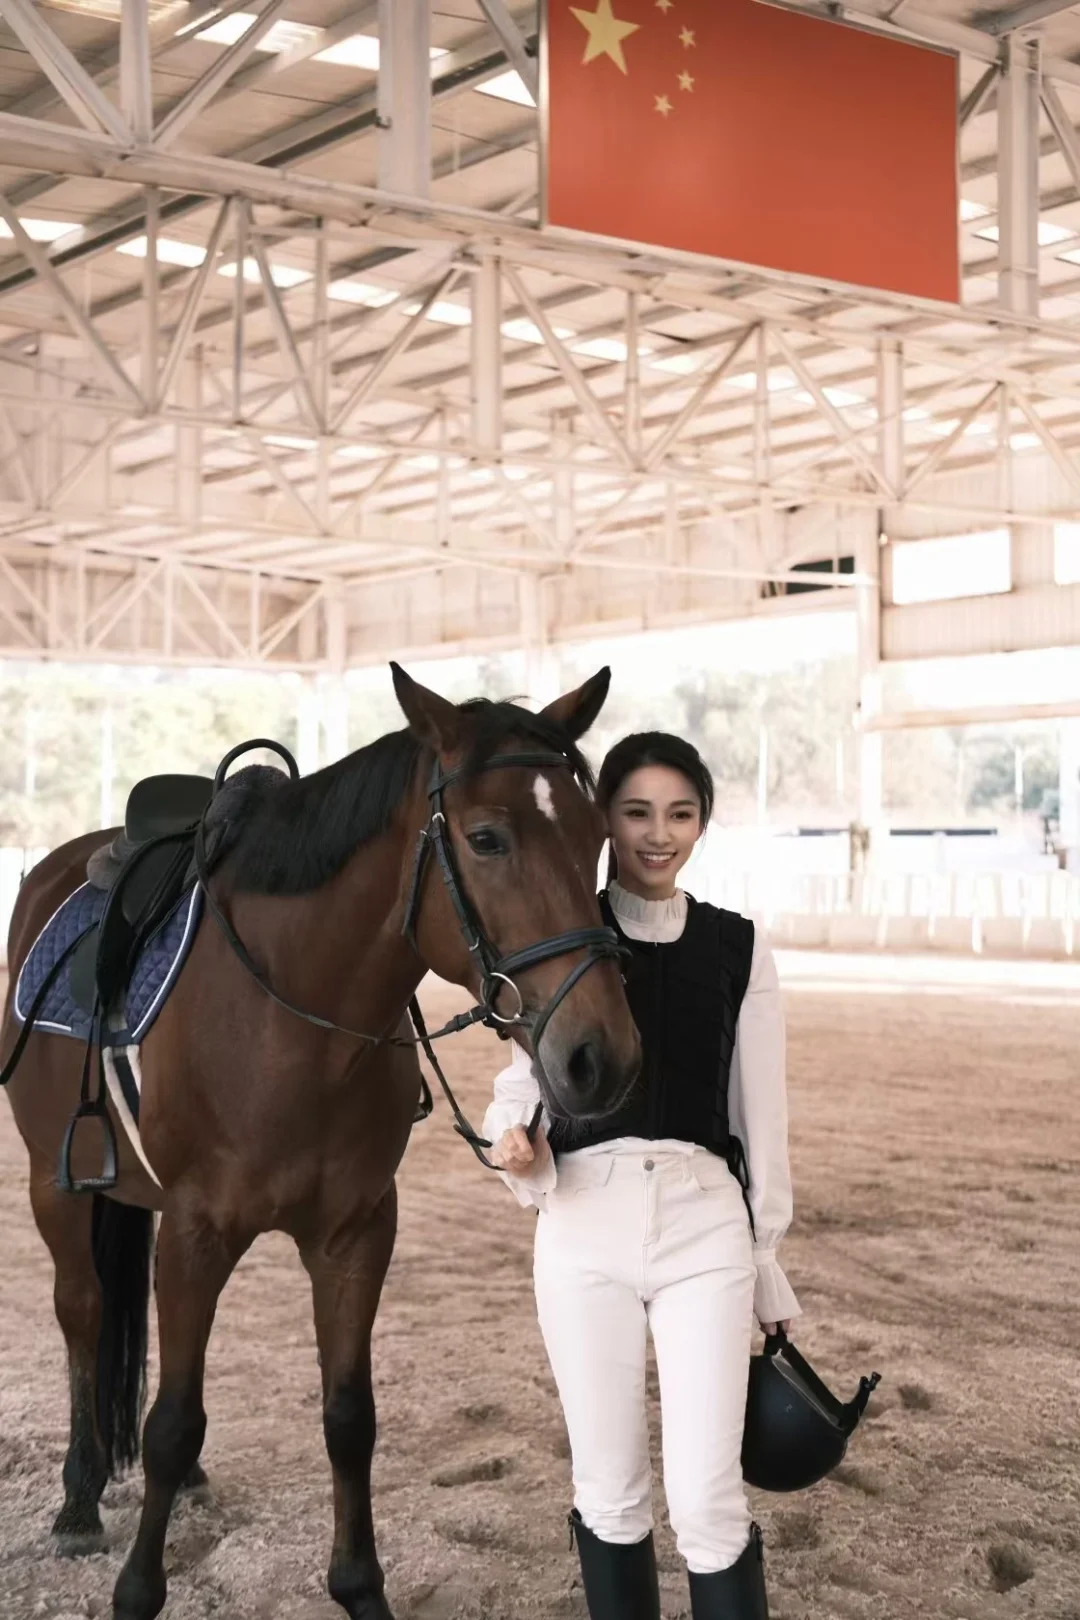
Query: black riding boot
{"type": "Point", "coordinates": [620, 1581]}
{"type": "Point", "coordinates": [737, 1593]}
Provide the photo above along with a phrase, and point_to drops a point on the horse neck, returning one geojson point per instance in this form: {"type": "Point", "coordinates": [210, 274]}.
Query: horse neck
{"type": "Point", "coordinates": [340, 948]}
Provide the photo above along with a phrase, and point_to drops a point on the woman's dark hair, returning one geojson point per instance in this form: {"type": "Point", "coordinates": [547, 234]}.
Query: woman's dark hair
{"type": "Point", "coordinates": [653, 748]}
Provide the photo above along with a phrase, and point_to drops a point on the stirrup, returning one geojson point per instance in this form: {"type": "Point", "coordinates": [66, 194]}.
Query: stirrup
{"type": "Point", "coordinates": [90, 1109]}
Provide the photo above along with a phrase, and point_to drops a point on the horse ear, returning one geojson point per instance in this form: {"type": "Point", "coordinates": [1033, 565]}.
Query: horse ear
{"type": "Point", "coordinates": [432, 719]}
{"type": "Point", "coordinates": [576, 711]}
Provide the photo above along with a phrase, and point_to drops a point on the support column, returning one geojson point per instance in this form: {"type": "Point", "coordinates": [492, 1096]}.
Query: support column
{"type": "Point", "coordinates": [1069, 789]}
{"type": "Point", "coordinates": [404, 97]}
{"type": "Point", "coordinates": [869, 744]}
{"type": "Point", "coordinates": [486, 357]}
{"type": "Point", "coordinates": [541, 664]}
{"type": "Point", "coordinates": [1018, 175]}
{"type": "Point", "coordinates": [891, 415]}
{"type": "Point", "coordinates": [189, 441]}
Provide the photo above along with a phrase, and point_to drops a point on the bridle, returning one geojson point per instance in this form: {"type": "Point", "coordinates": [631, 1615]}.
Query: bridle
{"type": "Point", "coordinates": [599, 944]}
{"type": "Point", "coordinates": [496, 971]}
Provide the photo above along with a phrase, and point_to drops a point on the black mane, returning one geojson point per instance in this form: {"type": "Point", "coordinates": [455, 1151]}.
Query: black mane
{"type": "Point", "coordinates": [293, 837]}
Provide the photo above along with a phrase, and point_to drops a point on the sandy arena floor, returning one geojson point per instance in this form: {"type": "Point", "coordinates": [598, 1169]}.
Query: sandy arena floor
{"type": "Point", "coordinates": [936, 1142]}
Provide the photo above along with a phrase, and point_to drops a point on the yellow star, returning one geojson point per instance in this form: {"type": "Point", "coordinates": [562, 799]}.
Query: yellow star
{"type": "Point", "coordinates": [686, 81]}
{"type": "Point", "coordinates": [606, 33]}
{"type": "Point", "coordinates": [687, 37]}
{"type": "Point", "coordinates": [664, 5]}
{"type": "Point", "coordinates": [663, 105]}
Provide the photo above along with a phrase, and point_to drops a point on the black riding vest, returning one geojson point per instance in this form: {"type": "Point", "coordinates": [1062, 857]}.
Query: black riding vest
{"type": "Point", "coordinates": [685, 999]}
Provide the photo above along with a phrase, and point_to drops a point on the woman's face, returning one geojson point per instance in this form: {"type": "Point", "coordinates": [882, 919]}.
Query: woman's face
{"type": "Point", "coordinates": [654, 821]}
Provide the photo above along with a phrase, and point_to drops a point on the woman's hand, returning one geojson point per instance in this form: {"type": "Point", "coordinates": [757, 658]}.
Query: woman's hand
{"type": "Point", "coordinates": [771, 1327]}
{"type": "Point", "coordinates": [515, 1154]}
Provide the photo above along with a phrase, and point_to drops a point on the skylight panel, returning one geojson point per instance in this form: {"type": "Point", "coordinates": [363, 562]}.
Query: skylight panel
{"type": "Point", "coordinates": [282, 275]}
{"type": "Point", "coordinates": [1049, 235]}
{"type": "Point", "coordinates": [523, 331]}
{"type": "Point", "coordinates": [283, 36]}
{"type": "Point", "coordinates": [507, 87]}
{"type": "Point", "coordinates": [360, 51]}
{"type": "Point", "coordinates": [605, 349]}
{"type": "Point", "coordinates": [41, 230]}
{"type": "Point", "coordinates": [360, 292]}
{"type": "Point", "coordinates": [169, 251]}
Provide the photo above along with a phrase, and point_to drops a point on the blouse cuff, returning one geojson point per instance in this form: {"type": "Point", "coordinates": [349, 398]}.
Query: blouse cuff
{"type": "Point", "coordinates": [774, 1300]}
{"type": "Point", "coordinates": [527, 1190]}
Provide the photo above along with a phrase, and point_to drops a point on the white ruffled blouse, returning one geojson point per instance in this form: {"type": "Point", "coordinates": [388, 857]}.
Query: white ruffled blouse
{"type": "Point", "coordinates": [757, 1100]}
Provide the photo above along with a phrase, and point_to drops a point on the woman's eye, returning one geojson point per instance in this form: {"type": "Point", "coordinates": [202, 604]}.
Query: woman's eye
{"type": "Point", "coordinates": [485, 842]}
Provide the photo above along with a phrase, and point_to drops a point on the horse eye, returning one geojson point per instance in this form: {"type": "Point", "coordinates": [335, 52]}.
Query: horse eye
{"type": "Point", "coordinates": [485, 842]}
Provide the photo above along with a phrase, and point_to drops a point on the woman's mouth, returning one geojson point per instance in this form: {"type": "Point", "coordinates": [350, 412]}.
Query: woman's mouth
{"type": "Point", "coordinates": [655, 862]}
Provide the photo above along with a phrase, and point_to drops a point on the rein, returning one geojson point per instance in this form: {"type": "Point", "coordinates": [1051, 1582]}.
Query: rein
{"type": "Point", "coordinates": [496, 971]}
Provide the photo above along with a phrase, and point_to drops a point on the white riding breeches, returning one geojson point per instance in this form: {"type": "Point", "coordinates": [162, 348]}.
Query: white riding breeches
{"type": "Point", "coordinates": [661, 1241]}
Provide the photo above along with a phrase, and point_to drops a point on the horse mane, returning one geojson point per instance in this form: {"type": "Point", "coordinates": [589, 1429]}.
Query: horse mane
{"type": "Point", "coordinates": [292, 837]}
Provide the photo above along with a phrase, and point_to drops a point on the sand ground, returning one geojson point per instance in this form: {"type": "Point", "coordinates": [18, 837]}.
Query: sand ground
{"type": "Point", "coordinates": [936, 1148]}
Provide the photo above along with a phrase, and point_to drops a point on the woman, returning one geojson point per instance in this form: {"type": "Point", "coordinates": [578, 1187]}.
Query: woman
{"type": "Point", "coordinates": [666, 1215]}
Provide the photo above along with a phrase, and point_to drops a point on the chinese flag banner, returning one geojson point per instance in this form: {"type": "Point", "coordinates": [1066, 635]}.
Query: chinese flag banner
{"type": "Point", "coordinates": [742, 131]}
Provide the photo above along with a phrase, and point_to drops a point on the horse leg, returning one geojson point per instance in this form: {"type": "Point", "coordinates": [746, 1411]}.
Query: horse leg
{"type": "Point", "coordinates": [347, 1273]}
{"type": "Point", "coordinates": [65, 1223]}
{"type": "Point", "coordinates": [195, 1260]}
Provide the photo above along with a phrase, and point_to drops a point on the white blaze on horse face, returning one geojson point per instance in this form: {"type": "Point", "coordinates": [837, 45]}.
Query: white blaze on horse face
{"type": "Point", "coordinates": [544, 801]}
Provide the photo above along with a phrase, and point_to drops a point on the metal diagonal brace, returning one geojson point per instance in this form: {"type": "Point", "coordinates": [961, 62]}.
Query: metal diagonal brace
{"type": "Point", "coordinates": [514, 44]}
{"type": "Point", "coordinates": [93, 110]}
{"type": "Point", "coordinates": [572, 375]}
{"type": "Point", "coordinates": [81, 325]}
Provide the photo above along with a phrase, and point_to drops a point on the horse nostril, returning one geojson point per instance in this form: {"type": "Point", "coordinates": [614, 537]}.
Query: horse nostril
{"type": "Point", "coordinates": [584, 1067]}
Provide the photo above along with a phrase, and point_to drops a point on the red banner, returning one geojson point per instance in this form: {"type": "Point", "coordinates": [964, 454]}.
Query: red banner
{"type": "Point", "coordinates": [743, 131]}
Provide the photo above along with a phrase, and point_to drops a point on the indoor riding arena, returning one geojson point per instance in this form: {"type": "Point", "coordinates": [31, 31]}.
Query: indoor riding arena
{"type": "Point", "coordinates": [733, 345]}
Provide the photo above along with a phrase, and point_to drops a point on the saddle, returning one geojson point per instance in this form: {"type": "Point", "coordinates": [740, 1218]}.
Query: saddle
{"type": "Point", "coordinates": [144, 871]}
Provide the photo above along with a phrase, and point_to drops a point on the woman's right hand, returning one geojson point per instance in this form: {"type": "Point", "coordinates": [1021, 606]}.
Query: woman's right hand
{"type": "Point", "coordinates": [515, 1154]}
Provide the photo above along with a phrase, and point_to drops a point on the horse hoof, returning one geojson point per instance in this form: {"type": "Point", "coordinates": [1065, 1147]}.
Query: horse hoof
{"type": "Point", "coordinates": [78, 1543]}
{"type": "Point", "coordinates": [135, 1598]}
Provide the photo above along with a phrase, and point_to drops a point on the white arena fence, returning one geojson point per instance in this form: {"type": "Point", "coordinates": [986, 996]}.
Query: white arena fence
{"type": "Point", "coordinates": [921, 894]}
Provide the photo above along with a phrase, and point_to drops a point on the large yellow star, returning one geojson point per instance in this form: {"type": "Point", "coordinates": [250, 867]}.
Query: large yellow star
{"type": "Point", "coordinates": [606, 33]}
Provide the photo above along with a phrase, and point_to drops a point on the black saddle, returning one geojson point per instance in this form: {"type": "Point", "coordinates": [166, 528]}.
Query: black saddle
{"type": "Point", "coordinates": [144, 872]}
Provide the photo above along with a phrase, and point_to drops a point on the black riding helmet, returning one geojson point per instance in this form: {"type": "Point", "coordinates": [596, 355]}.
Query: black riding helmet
{"type": "Point", "coordinates": [796, 1430]}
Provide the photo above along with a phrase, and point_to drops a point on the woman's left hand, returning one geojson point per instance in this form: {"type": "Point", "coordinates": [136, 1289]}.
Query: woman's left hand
{"type": "Point", "coordinates": [771, 1327]}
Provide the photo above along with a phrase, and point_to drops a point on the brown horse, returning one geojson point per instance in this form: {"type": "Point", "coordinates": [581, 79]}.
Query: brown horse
{"type": "Point", "coordinates": [256, 1120]}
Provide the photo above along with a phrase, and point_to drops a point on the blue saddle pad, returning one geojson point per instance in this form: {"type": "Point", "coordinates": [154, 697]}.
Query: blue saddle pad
{"type": "Point", "coordinates": [156, 970]}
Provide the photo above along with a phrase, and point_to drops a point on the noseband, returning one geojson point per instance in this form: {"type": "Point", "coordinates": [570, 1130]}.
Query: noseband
{"type": "Point", "coordinates": [599, 944]}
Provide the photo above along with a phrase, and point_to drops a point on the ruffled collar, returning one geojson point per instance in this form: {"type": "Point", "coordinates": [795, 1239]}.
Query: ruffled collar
{"type": "Point", "coordinates": [660, 915]}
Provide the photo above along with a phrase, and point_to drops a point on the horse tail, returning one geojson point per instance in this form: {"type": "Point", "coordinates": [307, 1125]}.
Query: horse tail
{"type": "Point", "coordinates": [123, 1239]}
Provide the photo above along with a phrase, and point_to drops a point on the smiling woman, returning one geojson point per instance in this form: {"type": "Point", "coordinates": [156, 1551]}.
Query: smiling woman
{"type": "Point", "coordinates": [663, 1216]}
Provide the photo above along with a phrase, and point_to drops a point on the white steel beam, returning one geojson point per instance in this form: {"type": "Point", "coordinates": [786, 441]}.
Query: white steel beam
{"type": "Point", "coordinates": [891, 415]}
{"type": "Point", "coordinates": [404, 97]}
{"type": "Point", "coordinates": [1018, 176]}
{"type": "Point", "coordinates": [136, 85]}
{"type": "Point", "coordinates": [976, 100]}
{"type": "Point", "coordinates": [486, 341]}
